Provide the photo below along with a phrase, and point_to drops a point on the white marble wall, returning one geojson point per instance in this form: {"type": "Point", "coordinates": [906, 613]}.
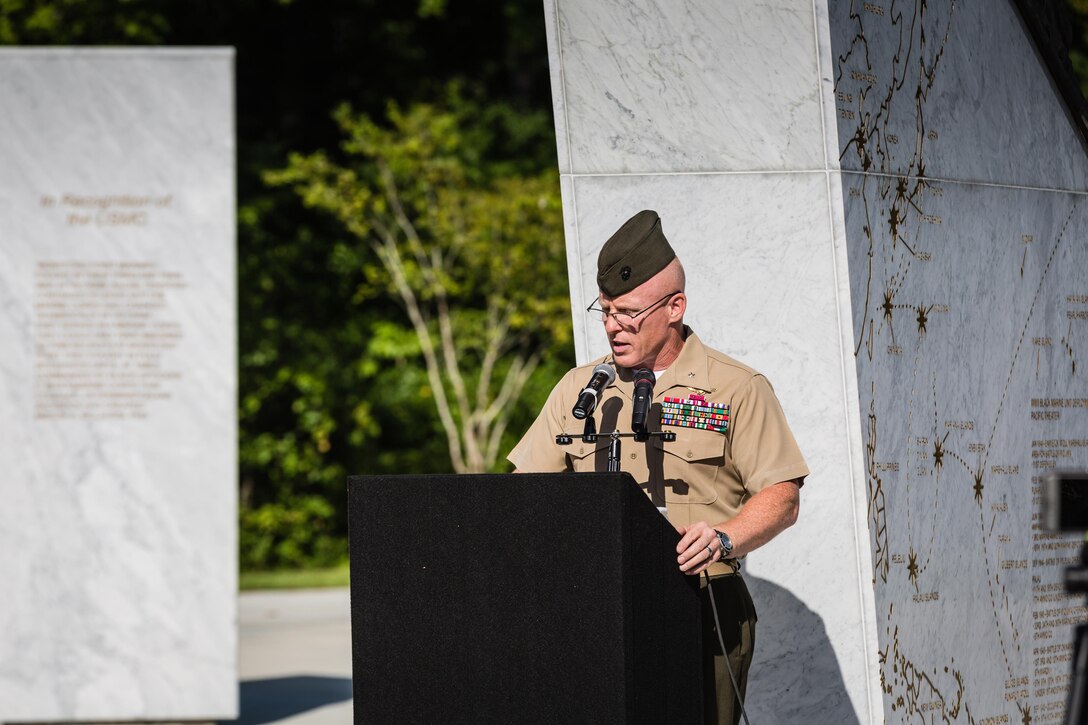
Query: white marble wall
{"type": "Point", "coordinates": [717, 116]}
{"type": "Point", "coordinates": [967, 226]}
{"type": "Point", "coordinates": [882, 207]}
{"type": "Point", "coordinates": [117, 385]}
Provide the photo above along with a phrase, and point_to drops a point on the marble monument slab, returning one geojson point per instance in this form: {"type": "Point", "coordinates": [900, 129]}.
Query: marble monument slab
{"type": "Point", "coordinates": [912, 283]}
{"type": "Point", "coordinates": [948, 90]}
{"type": "Point", "coordinates": [786, 326]}
{"type": "Point", "coordinates": [968, 342]}
{"type": "Point", "coordinates": [118, 462]}
{"type": "Point", "coordinates": [653, 87]}
{"type": "Point", "coordinates": [968, 299]}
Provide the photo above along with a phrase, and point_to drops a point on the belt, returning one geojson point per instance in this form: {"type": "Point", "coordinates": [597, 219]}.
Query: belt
{"type": "Point", "coordinates": [724, 568]}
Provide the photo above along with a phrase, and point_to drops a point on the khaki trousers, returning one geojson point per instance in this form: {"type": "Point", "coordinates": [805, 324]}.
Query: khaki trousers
{"type": "Point", "coordinates": [737, 615]}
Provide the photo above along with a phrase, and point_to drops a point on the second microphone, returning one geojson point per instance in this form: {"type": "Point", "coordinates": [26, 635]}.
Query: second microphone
{"type": "Point", "coordinates": [602, 377]}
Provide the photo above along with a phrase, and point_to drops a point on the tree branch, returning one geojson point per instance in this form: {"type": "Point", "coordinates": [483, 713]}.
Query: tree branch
{"type": "Point", "coordinates": [515, 381]}
{"type": "Point", "coordinates": [453, 371]}
{"type": "Point", "coordinates": [496, 332]}
{"type": "Point", "coordinates": [415, 244]}
{"type": "Point", "coordinates": [390, 258]}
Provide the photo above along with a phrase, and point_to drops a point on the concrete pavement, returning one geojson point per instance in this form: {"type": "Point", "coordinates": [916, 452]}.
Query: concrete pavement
{"type": "Point", "coordinates": [295, 657]}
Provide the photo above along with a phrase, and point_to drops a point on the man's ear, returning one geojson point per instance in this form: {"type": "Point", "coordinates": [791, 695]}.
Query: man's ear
{"type": "Point", "coordinates": [677, 306]}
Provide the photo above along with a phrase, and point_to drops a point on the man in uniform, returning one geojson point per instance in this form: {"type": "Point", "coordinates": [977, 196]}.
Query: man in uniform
{"type": "Point", "coordinates": [729, 482]}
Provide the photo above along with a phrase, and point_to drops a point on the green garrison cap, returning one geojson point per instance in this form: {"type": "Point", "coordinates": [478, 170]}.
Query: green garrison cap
{"type": "Point", "coordinates": [636, 252]}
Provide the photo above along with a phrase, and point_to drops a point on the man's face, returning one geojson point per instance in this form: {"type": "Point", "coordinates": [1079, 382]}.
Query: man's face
{"type": "Point", "coordinates": [641, 329]}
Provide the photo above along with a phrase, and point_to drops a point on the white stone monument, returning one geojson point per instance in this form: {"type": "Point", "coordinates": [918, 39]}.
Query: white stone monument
{"type": "Point", "coordinates": [882, 206]}
{"type": "Point", "coordinates": [118, 462]}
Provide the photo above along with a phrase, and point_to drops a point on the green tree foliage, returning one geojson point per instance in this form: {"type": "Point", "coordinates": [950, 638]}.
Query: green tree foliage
{"type": "Point", "coordinates": [469, 245]}
{"type": "Point", "coordinates": [331, 374]}
{"type": "Point", "coordinates": [335, 378]}
{"type": "Point", "coordinates": [1078, 52]}
{"type": "Point", "coordinates": [65, 22]}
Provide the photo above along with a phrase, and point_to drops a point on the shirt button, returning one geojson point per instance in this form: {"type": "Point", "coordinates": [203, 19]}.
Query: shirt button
{"type": "Point", "coordinates": [689, 454]}
{"type": "Point", "coordinates": [634, 455]}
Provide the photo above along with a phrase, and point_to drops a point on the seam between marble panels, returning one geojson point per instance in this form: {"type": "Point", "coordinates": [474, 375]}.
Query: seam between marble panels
{"type": "Point", "coordinates": [779, 172]}
{"type": "Point", "coordinates": [570, 165]}
{"type": "Point", "coordinates": [563, 85]}
{"type": "Point", "coordinates": [820, 82]}
{"type": "Point", "coordinates": [751, 172]}
{"type": "Point", "coordinates": [967, 182]}
{"type": "Point", "coordinates": [861, 548]}
{"type": "Point", "coordinates": [578, 265]}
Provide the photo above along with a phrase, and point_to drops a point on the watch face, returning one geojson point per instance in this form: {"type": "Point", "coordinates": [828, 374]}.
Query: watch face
{"type": "Point", "coordinates": [726, 544]}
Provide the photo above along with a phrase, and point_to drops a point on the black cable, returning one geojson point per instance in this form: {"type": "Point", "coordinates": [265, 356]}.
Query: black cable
{"type": "Point", "coordinates": [725, 652]}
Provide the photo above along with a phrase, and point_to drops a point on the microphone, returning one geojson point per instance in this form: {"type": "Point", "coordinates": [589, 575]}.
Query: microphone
{"type": "Point", "coordinates": [644, 390]}
{"type": "Point", "coordinates": [602, 377]}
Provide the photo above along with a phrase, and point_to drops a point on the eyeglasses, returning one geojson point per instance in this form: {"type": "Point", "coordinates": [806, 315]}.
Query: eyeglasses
{"type": "Point", "coordinates": [627, 319]}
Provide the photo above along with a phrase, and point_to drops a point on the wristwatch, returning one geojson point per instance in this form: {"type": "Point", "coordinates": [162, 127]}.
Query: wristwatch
{"type": "Point", "coordinates": [725, 543]}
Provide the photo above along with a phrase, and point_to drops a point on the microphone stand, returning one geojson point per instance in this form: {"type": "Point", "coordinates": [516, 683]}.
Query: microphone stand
{"type": "Point", "coordinates": [614, 453]}
{"type": "Point", "coordinates": [589, 435]}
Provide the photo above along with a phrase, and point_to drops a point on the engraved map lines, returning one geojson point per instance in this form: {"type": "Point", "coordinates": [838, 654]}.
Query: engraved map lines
{"type": "Point", "coordinates": [894, 196]}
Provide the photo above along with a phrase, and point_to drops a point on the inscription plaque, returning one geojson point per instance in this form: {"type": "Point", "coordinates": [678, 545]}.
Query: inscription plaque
{"type": "Point", "coordinates": [118, 385]}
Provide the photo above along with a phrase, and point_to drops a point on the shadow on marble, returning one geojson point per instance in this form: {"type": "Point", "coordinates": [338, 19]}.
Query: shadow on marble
{"type": "Point", "coordinates": [276, 698]}
{"type": "Point", "coordinates": [796, 676]}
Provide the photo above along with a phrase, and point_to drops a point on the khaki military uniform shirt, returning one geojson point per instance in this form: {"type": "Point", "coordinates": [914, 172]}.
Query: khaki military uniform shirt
{"type": "Point", "coordinates": [704, 475]}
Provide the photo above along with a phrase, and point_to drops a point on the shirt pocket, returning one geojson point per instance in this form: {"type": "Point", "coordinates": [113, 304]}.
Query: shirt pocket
{"type": "Point", "coordinates": [584, 457]}
{"type": "Point", "coordinates": [692, 465]}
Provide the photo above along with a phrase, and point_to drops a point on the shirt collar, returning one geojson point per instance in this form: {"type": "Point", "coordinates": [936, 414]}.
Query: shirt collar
{"type": "Point", "coordinates": [688, 370]}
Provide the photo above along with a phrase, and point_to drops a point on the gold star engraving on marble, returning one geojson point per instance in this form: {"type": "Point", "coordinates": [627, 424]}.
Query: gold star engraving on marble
{"type": "Point", "coordinates": [860, 139]}
{"type": "Point", "coordinates": [978, 487]}
{"type": "Point", "coordinates": [894, 220]}
{"type": "Point", "coordinates": [923, 318]}
{"type": "Point", "coordinates": [938, 453]}
{"type": "Point", "coordinates": [888, 305]}
{"type": "Point", "coordinates": [912, 567]}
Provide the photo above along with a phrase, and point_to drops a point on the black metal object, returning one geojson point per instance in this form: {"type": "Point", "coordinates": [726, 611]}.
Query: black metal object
{"type": "Point", "coordinates": [1076, 704]}
{"type": "Point", "coordinates": [565, 439]}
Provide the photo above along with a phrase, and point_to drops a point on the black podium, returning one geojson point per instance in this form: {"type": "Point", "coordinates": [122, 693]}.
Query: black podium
{"type": "Point", "coordinates": [520, 598]}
